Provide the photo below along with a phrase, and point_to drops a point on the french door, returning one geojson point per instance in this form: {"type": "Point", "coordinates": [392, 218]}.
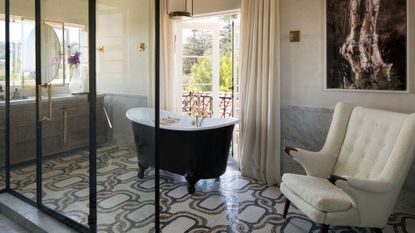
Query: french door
{"type": "Point", "coordinates": [207, 65]}
{"type": "Point", "coordinates": [198, 66]}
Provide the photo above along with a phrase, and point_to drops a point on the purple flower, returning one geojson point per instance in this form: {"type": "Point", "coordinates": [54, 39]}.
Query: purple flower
{"type": "Point", "coordinates": [74, 60]}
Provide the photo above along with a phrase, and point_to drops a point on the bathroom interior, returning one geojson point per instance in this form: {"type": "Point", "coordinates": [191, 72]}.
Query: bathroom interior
{"type": "Point", "coordinates": [51, 154]}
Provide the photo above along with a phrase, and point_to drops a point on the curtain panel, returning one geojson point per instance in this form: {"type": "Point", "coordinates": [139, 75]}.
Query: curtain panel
{"type": "Point", "coordinates": [168, 90]}
{"type": "Point", "coordinates": [259, 146]}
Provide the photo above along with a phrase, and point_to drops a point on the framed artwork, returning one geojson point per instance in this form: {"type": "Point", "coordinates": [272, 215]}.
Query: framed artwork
{"type": "Point", "coordinates": [366, 46]}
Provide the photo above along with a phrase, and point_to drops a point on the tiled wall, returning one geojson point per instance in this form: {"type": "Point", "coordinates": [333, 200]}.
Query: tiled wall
{"type": "Point", "coordinates": [307, 128]}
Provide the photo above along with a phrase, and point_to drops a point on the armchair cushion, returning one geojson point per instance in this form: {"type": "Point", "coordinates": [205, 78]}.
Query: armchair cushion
{"type": "Point", "coordinates": [318, 192]}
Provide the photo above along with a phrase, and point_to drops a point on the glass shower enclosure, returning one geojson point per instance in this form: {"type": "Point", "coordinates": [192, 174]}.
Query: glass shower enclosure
{"type": "Point", "coordinates": [69, 70]}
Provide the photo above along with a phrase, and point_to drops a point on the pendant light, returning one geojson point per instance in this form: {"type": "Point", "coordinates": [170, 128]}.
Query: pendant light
{"type": "Point", "coordinates": [180, 9]}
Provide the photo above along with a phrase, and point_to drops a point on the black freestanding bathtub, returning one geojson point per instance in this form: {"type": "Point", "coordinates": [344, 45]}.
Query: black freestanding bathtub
{"type": "Point", "coordinates": [184, 149]}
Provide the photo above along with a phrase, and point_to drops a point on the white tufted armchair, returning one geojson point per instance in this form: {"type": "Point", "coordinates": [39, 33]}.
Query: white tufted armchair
{"type": "Point", "coordinates": [356, 177]}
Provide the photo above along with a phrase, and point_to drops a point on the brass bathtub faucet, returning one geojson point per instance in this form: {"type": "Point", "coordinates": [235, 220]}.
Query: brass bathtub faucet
{"type": "Point", "coordinates": [199, 112]}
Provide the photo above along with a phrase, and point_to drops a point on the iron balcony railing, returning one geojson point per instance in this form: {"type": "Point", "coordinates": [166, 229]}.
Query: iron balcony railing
{"type": "Point", "coordinates": [191, 102]}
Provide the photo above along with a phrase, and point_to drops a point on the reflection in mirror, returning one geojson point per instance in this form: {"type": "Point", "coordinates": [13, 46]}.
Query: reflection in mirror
{"type": "Point", "coordinates": [51, 54]}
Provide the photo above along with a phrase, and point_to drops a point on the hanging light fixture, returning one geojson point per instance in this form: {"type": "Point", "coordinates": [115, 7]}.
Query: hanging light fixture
{"type": "Point", "coordinates": [180, 9]}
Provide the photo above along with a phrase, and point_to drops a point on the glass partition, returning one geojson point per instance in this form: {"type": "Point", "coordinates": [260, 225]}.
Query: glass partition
{"type": "Point", "coordinates": [64, 108]}
{"type": "Point", "coordinates": [60, 130]}
{"type": "Point", "coordinates": [22, 99]}
{"type": "Point", "coordinates": [125, 81]}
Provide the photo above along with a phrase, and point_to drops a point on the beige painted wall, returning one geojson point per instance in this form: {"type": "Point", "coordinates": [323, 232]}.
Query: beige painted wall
{"type": "Point", "coordinates": [302, 64]}
{"type": "Point", "coordinates": [206, 7]}
{"type": "Point", "coordinates": [121, 26]}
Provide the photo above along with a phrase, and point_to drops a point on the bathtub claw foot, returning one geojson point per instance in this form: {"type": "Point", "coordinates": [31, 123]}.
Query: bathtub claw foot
{"type": "Point", "coordinates": [191, 189]}
{"type": "Point", "coordinates": [141, 170]}
{"type": "Point", "coordinates": [191, 181]}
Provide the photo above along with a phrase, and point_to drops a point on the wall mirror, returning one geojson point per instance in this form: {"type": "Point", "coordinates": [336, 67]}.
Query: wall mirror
{"type": "Point", "coordinates": [51, 54]}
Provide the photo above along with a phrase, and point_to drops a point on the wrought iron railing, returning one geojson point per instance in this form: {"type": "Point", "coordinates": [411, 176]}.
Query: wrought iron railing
{"type": "Point", "coordinates": [191, 102]}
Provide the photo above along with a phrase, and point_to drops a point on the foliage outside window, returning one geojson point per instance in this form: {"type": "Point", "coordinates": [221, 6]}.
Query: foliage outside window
{"type": "Point", "coordinates": [197, 57]}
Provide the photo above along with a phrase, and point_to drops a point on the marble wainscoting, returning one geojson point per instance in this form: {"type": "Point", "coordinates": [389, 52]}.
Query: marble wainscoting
{"type": "Point", "coordinates": [302, 127]}
{"type": "Point", "coordinates": [307, 128]}
{"type": "Point", "coordinates": [117, 105]}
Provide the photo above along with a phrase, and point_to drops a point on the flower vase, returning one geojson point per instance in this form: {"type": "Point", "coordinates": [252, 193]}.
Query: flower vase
{"type": "Point", "coordinates": [76, 84]}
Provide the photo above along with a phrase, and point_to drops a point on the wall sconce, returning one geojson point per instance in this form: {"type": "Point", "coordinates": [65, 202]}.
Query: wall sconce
{"type": "Point", "coordinates": [294, 36]}
{"type": "Point", "coordinates": [180, 9]}
{"type": "Point", "coordinates": [141, 47]}
{"type": "Point", "coordinates": [101, 49]}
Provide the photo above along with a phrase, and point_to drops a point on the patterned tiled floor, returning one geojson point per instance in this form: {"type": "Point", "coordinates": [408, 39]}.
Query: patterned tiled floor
{"type": "Point", "coordinates": [126, 203]}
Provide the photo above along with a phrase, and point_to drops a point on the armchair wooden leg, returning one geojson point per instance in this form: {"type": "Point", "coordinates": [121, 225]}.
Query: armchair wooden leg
{"type": "Point", "coordinates": [286, 207]}
{"type": "Point", "coordinates": [324, 228]}
{"type": "Point", "coordinates": [377, 230]}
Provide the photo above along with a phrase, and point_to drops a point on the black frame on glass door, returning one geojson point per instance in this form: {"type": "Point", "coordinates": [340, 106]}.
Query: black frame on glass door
{"type": "Point", "coordinates": [7, 93]}
{"type": "Point", "coordinates": [157, 115]}
{"type": "Point", "coordinates": [92, 218]}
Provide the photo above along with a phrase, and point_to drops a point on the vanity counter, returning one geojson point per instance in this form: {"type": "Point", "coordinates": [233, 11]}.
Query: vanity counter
{"type": "Point", "coordinates": [60, 97]}
{"type": "Point", "coordinates": [65, 128]}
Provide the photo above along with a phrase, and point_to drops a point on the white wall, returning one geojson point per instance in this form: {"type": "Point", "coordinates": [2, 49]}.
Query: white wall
{"type": "Point", "coordinates": [302, 64]}
{"type": "Point", "coordinates": [121, 26]}
{"type": "Point", "coordinates": [206, 7]}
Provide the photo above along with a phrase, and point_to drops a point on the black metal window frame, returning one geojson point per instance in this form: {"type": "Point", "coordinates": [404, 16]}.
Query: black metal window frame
{"type": "Point", "coordinates": [92, 218]}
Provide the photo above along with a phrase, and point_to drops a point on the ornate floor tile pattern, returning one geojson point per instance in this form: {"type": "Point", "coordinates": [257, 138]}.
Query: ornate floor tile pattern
{"type": "Point", "coordinates": [126, 203]}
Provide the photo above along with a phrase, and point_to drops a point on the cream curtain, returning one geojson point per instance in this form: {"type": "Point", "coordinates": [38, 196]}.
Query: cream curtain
{"type": "Point", "coordinates": [167, 62]}
{"type": "Point", "coordinates": [167, 65]}
{"type": "Point", "coordinates": [259, 145]}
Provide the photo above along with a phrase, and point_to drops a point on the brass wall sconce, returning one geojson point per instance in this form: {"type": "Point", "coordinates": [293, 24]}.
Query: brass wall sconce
{"type": "Point", "coordinates": [101, 49]}
{"type": "Point", "coordinates": [141, 47]}
{"type": "Point", "coordinates": [294, 36]}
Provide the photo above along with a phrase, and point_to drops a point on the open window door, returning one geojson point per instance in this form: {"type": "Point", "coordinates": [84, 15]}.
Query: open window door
{"type": "Point", "coordinates": [198, 67]}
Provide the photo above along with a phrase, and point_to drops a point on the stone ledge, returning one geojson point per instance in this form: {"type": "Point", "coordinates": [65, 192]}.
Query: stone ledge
{"type": "Point", "coordinates": [29, 217]}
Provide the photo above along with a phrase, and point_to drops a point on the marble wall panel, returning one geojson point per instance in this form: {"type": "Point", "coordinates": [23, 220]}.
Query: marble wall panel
{"type": "Point", "coordinates": [117, 105]}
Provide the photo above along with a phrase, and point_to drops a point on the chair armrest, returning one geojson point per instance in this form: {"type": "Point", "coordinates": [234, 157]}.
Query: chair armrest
{"type": "Point", "coordinates": [315, 163]}
{"type": "Point", "coordinates": [374, 186]}
{"type": "Point", "coordinates": [288, 149]}
{"type": "Point", "coordinates": [374, 199]}
{"type": "Point", "coordinates": [333, 179]}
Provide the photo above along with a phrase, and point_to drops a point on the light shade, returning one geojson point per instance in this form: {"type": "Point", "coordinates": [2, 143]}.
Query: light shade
{"type": "Point", "coordinates": [180, 9]}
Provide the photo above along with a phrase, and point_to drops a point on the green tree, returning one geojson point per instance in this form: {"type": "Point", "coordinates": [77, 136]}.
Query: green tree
{"type": "Point", "coordinates": [226, 24]}
{"type": "Point", "coordinates": [226, 41]}
{"type": "Point", "coordinates": [196, 45]}
{"type": "Point", "coordinates": [201, 74]}
{"type": "Point", "coordinates": [226, 73]}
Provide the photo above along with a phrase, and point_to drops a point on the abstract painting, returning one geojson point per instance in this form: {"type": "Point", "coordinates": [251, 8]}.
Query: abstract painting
{"type": "Point", "coordinates": [366, 45]}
